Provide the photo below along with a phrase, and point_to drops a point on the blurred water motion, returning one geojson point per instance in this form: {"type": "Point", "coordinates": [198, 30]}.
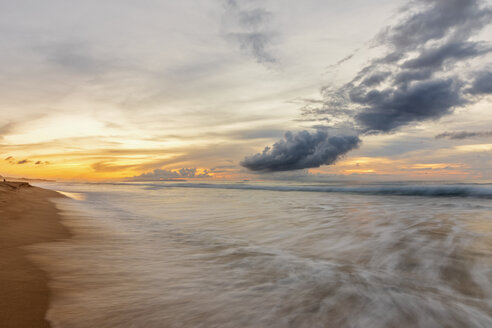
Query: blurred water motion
{"type": "Point", "coordinates": [229, 257]}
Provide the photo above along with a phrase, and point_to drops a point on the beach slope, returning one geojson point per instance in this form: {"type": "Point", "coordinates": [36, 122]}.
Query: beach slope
{"type": "Point", "coordinates": [26, 217]}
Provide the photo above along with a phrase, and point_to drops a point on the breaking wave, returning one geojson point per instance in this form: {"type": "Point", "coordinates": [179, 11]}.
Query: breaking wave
{"type": "Point", "coordinates": [477, 191]}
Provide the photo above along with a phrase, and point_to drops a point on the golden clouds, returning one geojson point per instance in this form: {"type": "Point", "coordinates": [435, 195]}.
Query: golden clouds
{"type": "Point", "coordinates": [381, 167]}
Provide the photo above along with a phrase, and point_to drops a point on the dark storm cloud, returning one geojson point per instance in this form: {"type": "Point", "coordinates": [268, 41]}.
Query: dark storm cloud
{"type": "Point", "coordinates": [375, 79]}
{"type": "Point", "coordinates": [406, 77]}
{"type": "Point", "coordinates": [415, 91]}
{"type": "Point", "coordinates": [482, 83]}
{"type": "Point", "coordinates": [435, 20]}
{"type": "Point", "coordinates": [301, 150]}
{"type": "Point", "coordinates": [24, 161]}
{"type": "Point", "coordinates": [247, 27]}
{"type": "Point", "coordinates": [391, 108]}
{"type": "Point", "coordinates": [413, 81]}
{"type": "Point", "coordinates": [458, 135]}
{"type": "Point", "coordinates": [436, 56]}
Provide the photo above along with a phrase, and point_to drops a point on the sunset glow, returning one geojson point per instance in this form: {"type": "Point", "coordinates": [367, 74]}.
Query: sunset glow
{"type": "Point", "coordinates": [79, 103]}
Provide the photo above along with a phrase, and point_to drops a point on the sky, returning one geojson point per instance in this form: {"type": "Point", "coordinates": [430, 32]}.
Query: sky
{"type": "Point", "coordinates": [309, 90]}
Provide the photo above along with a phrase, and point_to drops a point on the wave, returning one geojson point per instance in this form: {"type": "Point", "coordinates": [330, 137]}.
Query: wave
{"type": "Point", "coordinates": [397, 190]}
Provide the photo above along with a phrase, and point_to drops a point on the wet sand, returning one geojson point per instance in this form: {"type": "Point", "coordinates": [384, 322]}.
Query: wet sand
{"type": "Point", "coordinates": [26, 217]}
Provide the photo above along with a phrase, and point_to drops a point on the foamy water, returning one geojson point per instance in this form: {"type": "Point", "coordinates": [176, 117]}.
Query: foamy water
{"type": "Point", "coordinates": [240, 255]}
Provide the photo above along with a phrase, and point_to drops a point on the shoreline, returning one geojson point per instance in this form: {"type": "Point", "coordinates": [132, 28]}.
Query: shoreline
{"type": "Point", "coordinates": [27, 216]}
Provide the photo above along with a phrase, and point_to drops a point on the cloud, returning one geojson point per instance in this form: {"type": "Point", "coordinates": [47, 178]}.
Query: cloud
{"type": "Point", "coordinates": [482, 83]}
{"type": "Point", "coordinates": [248, 28]}
{"type": "Point", "coordinates": [435, 20]}
{"type": "Point", "coordinates": [413, 81]}
{"type": "Point", "coordinates": [344, 59]}
{"type": "Point", "coordinates": [6, 129]}
{"type": "Point", "coordinates": [391, 108]}
{"type": "Point", "coordinates": [375, 78]}
{"type": "Point", "coordinates": [109, 167]}
{"type": "Point", "coordinates": [161, 174]}
{"type": "Point", "coordinates": [10, 159]}
{"type": "Point", "coordinates": [424, 48]}
{"type": "Point", "coordinates": [187, 172]}
{"type": "Point", "coordinates": [458, 135]}
{"type": "Point", "coordinates": [437, 56]}
{"type": "Point", "coordinates": [301, 150]}
{"type": "Point", "coordinates": [405, 77]}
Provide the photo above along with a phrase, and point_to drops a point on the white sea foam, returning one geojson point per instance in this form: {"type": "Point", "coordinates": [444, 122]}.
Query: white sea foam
{"type": "Point", "coordinates": [451, 190]}
{"type": "Point", "coordinates": [155, 255]}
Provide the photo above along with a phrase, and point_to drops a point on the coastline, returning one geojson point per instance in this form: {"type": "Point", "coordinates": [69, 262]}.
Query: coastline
{"type": "Point", "coordinates": [27, 217]}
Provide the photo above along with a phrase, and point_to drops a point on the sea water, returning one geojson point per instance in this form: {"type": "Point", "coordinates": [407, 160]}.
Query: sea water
{"type": "Point", "coordinates": [169, 254]}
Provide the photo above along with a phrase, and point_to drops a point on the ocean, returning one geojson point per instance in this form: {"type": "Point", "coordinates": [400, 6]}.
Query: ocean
{"type": "Point", "coordinates": [244, 254]}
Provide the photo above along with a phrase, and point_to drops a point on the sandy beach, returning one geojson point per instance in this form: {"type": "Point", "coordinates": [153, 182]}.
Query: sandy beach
{"type": "Point", "coordinates": [26, 217]}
